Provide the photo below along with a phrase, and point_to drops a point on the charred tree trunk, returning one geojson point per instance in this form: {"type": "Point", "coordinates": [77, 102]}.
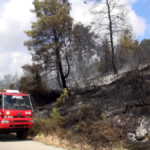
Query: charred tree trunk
{"type": "Point", "coordinates": [58, 59]}
{"type": "Point", "coordinates": [106, 58]}
{"type": "Point", "coordinates": [111, 40]}
{"type": "Point", "coordinates": [58, 79]}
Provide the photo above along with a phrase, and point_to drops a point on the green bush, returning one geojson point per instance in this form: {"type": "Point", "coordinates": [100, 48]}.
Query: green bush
{"type": "Point", "coordinates": [37, 128]}
{"type": "Point", "coordinates": [47, 126]}
{"type": "Point", "coordinates": [56, 118]}
{"type": "Point", "coordinates": [62, 100]}
{"type": "Point", "coordinates": [81, 127]}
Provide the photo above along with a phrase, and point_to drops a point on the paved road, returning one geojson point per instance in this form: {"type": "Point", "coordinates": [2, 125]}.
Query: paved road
{"type": "Point", "coordinates": [10, 142]}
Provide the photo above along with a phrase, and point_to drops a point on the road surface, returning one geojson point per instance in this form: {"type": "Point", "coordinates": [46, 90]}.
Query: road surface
{"type": "Point", "coordinates": [10, 142]}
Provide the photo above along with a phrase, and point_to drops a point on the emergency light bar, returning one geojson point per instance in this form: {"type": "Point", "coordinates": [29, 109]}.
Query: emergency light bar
{"type": "Point", "coordinates": [11, 91]}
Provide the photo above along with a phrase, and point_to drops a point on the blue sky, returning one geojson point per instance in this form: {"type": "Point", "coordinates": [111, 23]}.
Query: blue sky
{"type": "Point", "coordinates": [142, 8]}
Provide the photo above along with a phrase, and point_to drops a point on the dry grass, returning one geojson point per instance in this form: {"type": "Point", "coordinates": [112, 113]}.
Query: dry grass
{"type": "Point", "coordinates": [58, 142]}
{"type": "Point", "coordinates": [55, 141]}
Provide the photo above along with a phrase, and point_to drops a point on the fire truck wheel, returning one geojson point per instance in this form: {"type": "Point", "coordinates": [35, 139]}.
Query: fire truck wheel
{"type": "Point", "coordinates": [22, 134]}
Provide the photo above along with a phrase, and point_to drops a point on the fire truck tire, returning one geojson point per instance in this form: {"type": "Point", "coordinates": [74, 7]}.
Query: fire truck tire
{"type": "Point", "coordinates": [22, 135]}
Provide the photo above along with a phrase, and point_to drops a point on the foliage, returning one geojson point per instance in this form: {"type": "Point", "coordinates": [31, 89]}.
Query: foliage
{"type": "Point", "coordinates": [84, 46]}
{"type": "Point", "coordinates": [62, 100]}
{"type": "Point", "coordinates": [33, 78]}
{"type": "Point", "coordinates": [31, 82]}
{"type": "Point", "coordinates": [127, 42]}
{"type": "Point", "coordinates": [36, 129]}
{"type": "Point", "coordinates": [49, 35]}
{"type": "Point", "coordinates": [48, 125]}
{"type": "Point", "coordinates": [145, 44]}
{"type": "Point", "coordinates": [27, 85]}
{"type": "Point", "coordinates": [81, 127]}
{"type": "Point", "coordinates": [105, 64]}
{"type": "Point", "coordinates": [130, 52]}
{"type": "Point", "coordinates": [12, 86]}
{"type": "Point", "coordinates": [140, 56]}
{"type": "Point", "coordinates": [41, 126]}
{"type": "Point", "coordinates": [126, 48]}
{"type": "Point", "coordinates": [56, 118]}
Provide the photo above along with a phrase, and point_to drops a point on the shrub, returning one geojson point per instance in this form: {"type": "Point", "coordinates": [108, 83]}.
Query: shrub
{"type": "Point", "coordinates": [56, 118]}
{"type": "Point", "coordinates": [47, 126]}
{"type": "Point", "coordinates": [39, 126]}
{"type": "Point", "coordinates": [81, 127]}
{"type": "Point", "coordinates": [101, 132]}
{"type": "Point", "coordinates": [62, 100]}
{"type": "Point", "coordinates": [35, 129]}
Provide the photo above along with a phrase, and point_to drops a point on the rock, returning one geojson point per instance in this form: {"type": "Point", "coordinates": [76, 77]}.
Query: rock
{"type": "Point", "coordinates": [131, 137]}
{"type": "Point", "coordinates": [115, 112]}
{"type": "Point", "coordinates": [142, 132]}
{"type": "Point", "coordinates": [43, 113]}
{"type": "Point", "coordinates": [63, 113]}
{"type": "Point", "coordinates": [79, 103]}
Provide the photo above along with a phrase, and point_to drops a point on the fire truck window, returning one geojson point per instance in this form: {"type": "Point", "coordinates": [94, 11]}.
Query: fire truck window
{"type": "Point", "coordinates": [8, 101]}
{"type": "Point", "coordinates": [0, 101]}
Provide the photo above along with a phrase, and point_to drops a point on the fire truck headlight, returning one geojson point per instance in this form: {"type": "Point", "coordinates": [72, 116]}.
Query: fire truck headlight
{"type": "Point", "coordinates": [4, 121]}
{"type": "Point", "coordinates": [31, 121]}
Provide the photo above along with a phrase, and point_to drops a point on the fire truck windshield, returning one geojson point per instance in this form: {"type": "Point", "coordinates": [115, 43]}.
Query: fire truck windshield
{"type": "Point", "coordinates": [15, 102]}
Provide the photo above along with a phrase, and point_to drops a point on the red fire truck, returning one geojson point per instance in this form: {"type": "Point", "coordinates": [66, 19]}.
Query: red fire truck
{"type": "Point", "coordinates": [15, 113]}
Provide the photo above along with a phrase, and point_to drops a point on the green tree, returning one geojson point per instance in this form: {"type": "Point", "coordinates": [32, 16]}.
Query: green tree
{"type": "Point", "coordinates": [32, 83]}
{"type": "Point", "coordinates": [127, 41]}
{"type": "Point", "coordinates": [126, 48]}
{"type": "Point", "coordinates": [50, 34]}
{"type": "Point", "coordinates": [33, 79]}
{"type": "Point", "coordinates": [26, 85]}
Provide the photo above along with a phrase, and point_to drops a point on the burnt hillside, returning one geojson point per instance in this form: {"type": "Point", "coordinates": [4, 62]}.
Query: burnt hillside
{"type": "Point", "coordinates": [125, 102]}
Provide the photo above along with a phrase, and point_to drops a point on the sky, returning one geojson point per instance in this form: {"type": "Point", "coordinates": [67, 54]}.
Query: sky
{"type": "Point", "coordinates": [142, 9]}
{"type": "Point", "coordinates": [15, 18]}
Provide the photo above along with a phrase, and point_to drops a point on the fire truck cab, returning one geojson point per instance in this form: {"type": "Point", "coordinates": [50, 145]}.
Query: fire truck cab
{"type": "Point", "coordinates": [15, 113]}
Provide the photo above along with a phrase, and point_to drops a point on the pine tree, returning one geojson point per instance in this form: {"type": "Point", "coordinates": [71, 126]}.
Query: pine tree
{"type": "Point", "coordinates": [49, 35]}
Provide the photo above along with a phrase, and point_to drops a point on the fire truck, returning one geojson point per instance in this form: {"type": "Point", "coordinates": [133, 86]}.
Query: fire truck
{"type": "Point", "coordinates": [15, 113]}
